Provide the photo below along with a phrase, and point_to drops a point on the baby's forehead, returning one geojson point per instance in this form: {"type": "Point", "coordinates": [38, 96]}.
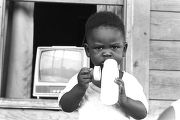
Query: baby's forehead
{"type": "Point", "coordinates": [107, 27]}
{"type": "Point", "coordinates": [105, 31]}
{"type": "Point", "coordinates": [108, 36]}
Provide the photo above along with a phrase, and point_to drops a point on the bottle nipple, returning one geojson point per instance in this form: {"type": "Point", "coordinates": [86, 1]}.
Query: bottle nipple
{"type": "Point", "coordinates": [96, 73]}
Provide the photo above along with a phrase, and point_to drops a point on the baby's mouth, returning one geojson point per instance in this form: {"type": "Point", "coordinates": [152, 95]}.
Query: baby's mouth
{"type": "Point", "coordinates": [102, 65]}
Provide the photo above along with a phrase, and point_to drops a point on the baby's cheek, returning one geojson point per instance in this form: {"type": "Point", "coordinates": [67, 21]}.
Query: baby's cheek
{"type": "Point", "coordinates": [96, 60]}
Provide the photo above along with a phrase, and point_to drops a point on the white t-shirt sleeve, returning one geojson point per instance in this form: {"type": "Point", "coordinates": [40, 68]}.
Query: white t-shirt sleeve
{"type": "Point", "coordinates": [176, 106]}
{"type": "Point", "coordinates": [134, 90]}
{"type": "Point", "coordinates": [72, 82]}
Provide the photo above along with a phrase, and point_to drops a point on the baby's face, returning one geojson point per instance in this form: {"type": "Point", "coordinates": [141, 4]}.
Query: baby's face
{"type": "Point", "coordinates": [104, 43]}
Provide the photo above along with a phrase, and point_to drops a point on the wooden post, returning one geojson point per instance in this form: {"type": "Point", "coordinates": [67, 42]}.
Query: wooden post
{"type": "Point", "coordinates": [2, 40]}
{"type": "Point", "coordinates": [137, 36]}
{"type": "Point", "coordinates": [21, 52]}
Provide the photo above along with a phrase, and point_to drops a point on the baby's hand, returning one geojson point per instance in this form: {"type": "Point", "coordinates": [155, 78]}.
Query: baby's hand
{"type": "Point", "coordinates": [84, 77]}
{"type": "Point", "coordinates": [122, 94]}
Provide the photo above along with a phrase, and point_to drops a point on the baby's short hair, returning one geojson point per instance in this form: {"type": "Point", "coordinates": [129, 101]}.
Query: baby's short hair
{"type": "Point", "coordinates": [104, 18]}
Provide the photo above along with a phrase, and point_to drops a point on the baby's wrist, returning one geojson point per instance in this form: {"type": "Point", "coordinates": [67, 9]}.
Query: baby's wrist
{"type": "Point", "coordinates": [123, 100]}
{"type": "Point", "coordinates": [82, 86]}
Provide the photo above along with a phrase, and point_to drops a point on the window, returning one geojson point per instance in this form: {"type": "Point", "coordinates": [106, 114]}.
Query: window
{"type": "Point", "coordinates": [21, 41]}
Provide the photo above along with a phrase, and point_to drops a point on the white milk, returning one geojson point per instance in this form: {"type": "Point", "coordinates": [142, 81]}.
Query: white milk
{"type": "Point", "coordinates": [109, 89]}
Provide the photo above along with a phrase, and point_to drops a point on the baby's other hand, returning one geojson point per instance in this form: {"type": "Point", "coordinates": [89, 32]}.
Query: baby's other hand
{"type": "Point", "coordinates": [84, 77]}
{"type": "Point", "coordinates": [122, 93]}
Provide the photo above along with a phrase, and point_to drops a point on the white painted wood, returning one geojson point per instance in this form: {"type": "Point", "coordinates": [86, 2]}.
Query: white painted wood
{"type": "Point", "coordinates": [105, 2]}
{"type": "Point", "coordinates": [30, 103]}
{"type": "Point", "coordinates": [137, 36]}
{"type": "Point", "coordinates": [35, 114]}
{"type": "Point", "coordinates": [165, 25]}
{"type": "Point", "coordinates": [2, 38]}
{"type": "Point", "coordinates": [164, 85]}
{"type": "Point", "coordinates": [21, 52]}
{"type": "Point", "coordinates": [165, 55]}
{"type": "Point", "coordinates": [165, 5]}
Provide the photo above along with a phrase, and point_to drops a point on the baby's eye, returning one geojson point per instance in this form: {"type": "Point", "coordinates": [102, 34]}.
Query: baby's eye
{"type": "Point", "coordinates": [98, 48]}
{"type": "Point", "coordinates": [115, 47]}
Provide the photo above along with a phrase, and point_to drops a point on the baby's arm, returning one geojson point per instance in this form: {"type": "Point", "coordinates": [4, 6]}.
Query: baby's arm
{"type": "Point", "coordinates": [134, 108]}
{"type": "Point", "coordinates": [70, 100]}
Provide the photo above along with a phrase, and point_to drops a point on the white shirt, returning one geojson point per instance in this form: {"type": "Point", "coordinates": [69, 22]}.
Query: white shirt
{"type": "Point", "coordinates": [91, 107]}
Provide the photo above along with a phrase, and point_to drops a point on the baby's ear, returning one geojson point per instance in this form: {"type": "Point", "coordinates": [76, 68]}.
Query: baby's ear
{"type": "Point", "coordinates": [125, 49]}
{"type": "Point", "coordinates": [86, 47]}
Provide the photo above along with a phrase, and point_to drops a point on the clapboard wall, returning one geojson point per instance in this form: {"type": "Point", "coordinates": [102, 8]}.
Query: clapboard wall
{"type": "Point", "coordinates": [164, 58]}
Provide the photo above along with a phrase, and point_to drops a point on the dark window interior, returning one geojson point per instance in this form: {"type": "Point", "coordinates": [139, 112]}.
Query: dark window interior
{"type": "Point", "coordinates": [60, 24]}
{"type": "Point", "coordinates": [57, 24]}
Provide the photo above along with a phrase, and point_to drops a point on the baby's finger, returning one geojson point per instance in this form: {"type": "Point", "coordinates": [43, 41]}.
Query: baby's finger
{"type": "Point", "coordinates": [121, 85]}
{"type": "Point", "coordinates": [119, 82]}
{"type": "Point", "coordinates": [85, 71]}
{"type": "Point", "coordinates": [87, 80]}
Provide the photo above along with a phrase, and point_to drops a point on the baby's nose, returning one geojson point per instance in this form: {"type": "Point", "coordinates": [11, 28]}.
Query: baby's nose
{"type": "Point", "coordinates": [107, 54]}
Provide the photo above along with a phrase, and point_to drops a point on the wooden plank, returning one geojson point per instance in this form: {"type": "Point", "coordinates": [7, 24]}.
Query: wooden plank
{"type": "Point", "coordinates": [138, 26]}
{"type": "Point", "coordinates": [164, 85]}
{"type": "Point", "coordinates": [30, 103]}
{"type": "Point", "coordinates": [156, 108]}
{"type": "Point", "coordinates": [103, 2]}
{"type": "Point", "coordinates": [27, 114]}
{"type": "Point", "coordinates": [128, 20]}
{"type": "Point", "coordinates": [165, 55]}
{"type": "Point", "coordinates": [19, 77]}
{"type": "Point", "coordinates": [165, 25]}
{"type": "Point", "coordinates": [2, 39]}
{"type": "Point", "coordinates": [165, 5]}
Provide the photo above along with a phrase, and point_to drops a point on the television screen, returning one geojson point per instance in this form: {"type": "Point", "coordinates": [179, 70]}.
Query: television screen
{"type": "Point", "coordinates": [55, 66]}
{"type": "Point", "coordinates": [59, 65]}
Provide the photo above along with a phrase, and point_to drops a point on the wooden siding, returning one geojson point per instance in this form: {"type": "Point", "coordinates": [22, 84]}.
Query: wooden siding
{"type": "Point", "coordinates": [164, 85]}
{"type": "Point", "coordinates": [32, 114]}
{"type": "Point", "coordinates": [164, 25]}
{"type": "Point", "coordinates": [164, 57]}
{"type": "Point", "coordinates": [165, 5]}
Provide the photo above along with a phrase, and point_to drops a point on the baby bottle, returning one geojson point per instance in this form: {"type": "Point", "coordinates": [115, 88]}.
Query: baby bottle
{"type": "Point", "coordinates": [109, 89]}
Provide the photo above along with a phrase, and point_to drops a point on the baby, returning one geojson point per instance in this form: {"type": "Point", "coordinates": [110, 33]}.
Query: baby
{"type": "Point", "coordinates": [105, 39]}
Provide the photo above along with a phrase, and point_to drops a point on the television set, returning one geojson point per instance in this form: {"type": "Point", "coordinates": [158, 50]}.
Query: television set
{"type": "Point", "coordinates": [54, 66]}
